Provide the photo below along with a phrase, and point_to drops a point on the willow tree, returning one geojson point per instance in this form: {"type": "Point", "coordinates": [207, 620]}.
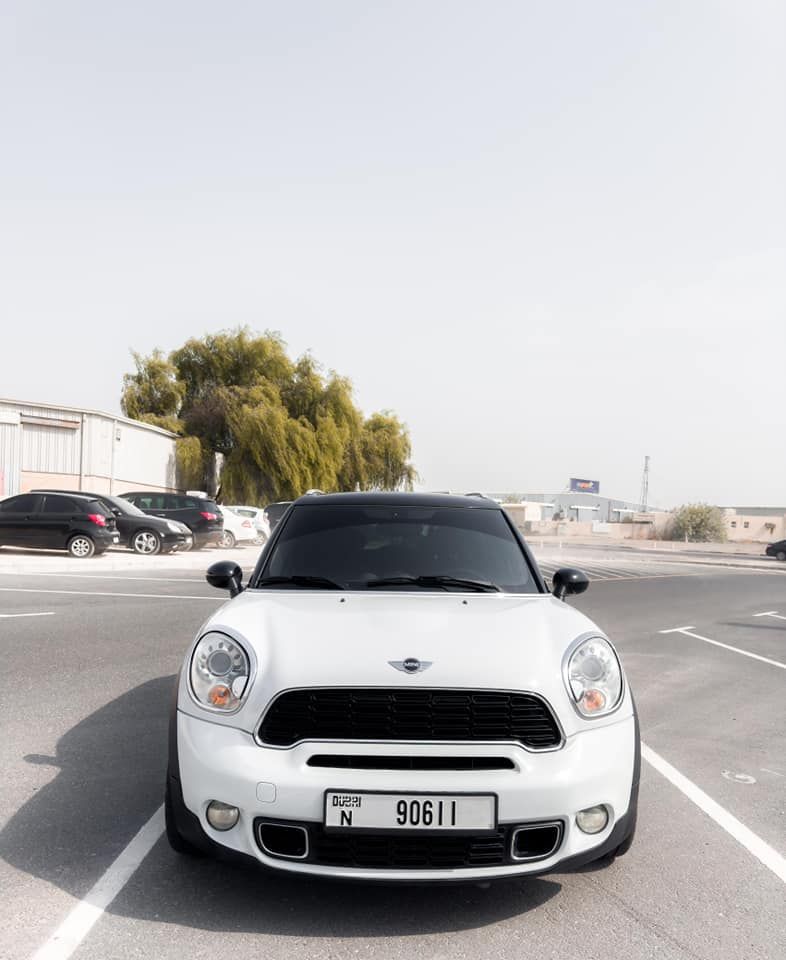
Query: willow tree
{"type": "Point", "coordinates": [386, 453]}
{"type": "Point", "coordinates": [154, 393]}
{"type": "Point", "coordinates": [280, 427]}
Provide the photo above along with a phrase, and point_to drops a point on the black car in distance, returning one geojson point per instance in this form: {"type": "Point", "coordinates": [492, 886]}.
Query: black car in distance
{"type": "Point", "coordinates": [80, 524]}
{"type": "Point", "coordinates": [139, 532]}
{"type": "Point", "coordinates": [275, 511]}
{"type": "Point", "coordinates": [200, 514]}
{"type": "Point", "coordinates": [777, 550]}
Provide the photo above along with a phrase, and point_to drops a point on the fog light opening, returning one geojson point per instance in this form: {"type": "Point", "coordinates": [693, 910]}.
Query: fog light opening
{"type": "Point", "coordinates": [536, 841]}
{"type": "Point", "coordinates": [222, 816]}
{"type": "Point", "coordinates": [288, 841]}
{"type": "Point", "coordinates": [593, 819]}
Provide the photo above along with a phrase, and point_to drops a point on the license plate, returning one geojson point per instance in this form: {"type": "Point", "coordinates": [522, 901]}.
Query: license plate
{"type": "Point", "coordinates": [115, 539]}
{"type": "Point", "coordinates": [410, 811]}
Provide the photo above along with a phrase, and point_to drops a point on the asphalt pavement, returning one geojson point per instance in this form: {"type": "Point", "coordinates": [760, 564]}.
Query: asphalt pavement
{"type": "Point", "coordinates": [88, 659]}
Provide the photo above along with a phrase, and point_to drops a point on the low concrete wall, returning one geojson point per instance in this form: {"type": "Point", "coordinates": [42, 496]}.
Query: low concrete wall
{"type": "Point", "coordinates": [546, 528]}
{"type": "Point", "coordinates": [565, 529]}
{"type": "Point", "coordinates": [70, 481]}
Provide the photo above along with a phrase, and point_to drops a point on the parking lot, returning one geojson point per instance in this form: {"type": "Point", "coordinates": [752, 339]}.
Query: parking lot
{"type": "Point", "coordinates": [89, 653]}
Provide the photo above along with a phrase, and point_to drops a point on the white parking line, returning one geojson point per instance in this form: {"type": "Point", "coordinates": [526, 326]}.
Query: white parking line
{"type": "Point", "coordinates": [79, 922]}
{"type": "Point", "coordinates": [649, 576]}
{"type": "Point", "coordinates": [770, 613]}
{"type": "Point", "coordinates": [745, 653]}
{"type": "Point", "coordinates": [106, 593]}
{"type": "Point", "coordinates": [13, 616]}
{"type": "Point", "coordinates": [116, 576]}
{"type": "Point", "coordinates": [742, 834]}
{"type": "Point", "coordinates": [106, 576]}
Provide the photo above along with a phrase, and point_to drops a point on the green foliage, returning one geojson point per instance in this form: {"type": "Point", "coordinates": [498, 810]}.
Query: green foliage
{"type": "Point", "coordinates": [190, 462]}
{"type": "Point", "coordinates": [282, 427]}
{"type": "Point", "coordinates": [154, 393]}
{"type": "Point", "coordinates": [698, 523]}
{"type": "Point", "coordinates": [386, 451]}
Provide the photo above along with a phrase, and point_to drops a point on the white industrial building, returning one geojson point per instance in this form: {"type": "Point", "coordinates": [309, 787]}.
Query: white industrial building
{"type": "Point", "coordinates": [44, 445]}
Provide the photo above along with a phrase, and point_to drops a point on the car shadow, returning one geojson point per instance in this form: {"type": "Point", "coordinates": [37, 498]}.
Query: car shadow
{"type": "Point", "coordinates": [109, 778]}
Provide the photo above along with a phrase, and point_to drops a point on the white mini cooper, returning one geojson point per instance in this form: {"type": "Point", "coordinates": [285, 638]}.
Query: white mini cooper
{"type": "Point", "coordinates": [396, 695]}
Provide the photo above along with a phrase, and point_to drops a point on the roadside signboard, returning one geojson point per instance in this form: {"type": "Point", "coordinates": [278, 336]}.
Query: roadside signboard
{"type": "Point", "coordinates": [584, 486]}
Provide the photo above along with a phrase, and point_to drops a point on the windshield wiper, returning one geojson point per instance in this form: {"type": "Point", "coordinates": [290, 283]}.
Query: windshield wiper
{"type": "Point", "coordinates": [442, 581]}
{"type": "Point", "coordinates": [300, 580]}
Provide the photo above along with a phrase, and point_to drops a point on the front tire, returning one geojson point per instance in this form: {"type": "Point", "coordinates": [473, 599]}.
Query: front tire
{"type": "Point", "coordinates": [780, 555]}
{"type": "Point", "coordinates": [146, 542]}
{"type": "Point", "coordinates": [81, 546]}
{"type": "Point", "coordinates": [227, 540]}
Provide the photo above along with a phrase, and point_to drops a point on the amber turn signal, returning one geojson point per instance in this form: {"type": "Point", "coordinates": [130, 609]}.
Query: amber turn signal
{"type": "Point", "coordinates": [593, 700]}
{"type": "Point", "coordinates": [219, 695]}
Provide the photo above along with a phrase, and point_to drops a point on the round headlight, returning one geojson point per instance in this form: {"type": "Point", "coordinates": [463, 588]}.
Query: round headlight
{"type": "Point", "coordinates": [594, 677]}
{"type": "Point", "coordinates": [219, 671]}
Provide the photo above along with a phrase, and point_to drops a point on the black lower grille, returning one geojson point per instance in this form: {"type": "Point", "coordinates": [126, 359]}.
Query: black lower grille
{"type": "Point", "coordinates": [409, 853]}
{"type": "Point", "coordinates": [381, 713]}
{"type": "Point", "coordinates": [356, 762]}
{"type": "Point", "coordinates": [394, 851]}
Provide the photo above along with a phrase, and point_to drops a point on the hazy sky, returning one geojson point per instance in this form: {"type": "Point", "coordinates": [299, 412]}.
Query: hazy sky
{"type": "Point", "coordinates": [550, 235]}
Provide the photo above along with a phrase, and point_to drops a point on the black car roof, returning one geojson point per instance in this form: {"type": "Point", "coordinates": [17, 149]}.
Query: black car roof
{"type": "Point", "coordinates": [399, 499]}
{"type": "Point", "coordinates": [155, 493]}
{"type": "Point", "coordinates": [79, 494]}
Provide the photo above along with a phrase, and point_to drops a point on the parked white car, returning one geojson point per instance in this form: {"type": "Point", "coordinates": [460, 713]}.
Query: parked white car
{"type": "Point", "coordinates": [257, 516]}
{"type": "Point", "coordinates": [236, 529]}
{"type": "Point", "coordinates": [396, 696]}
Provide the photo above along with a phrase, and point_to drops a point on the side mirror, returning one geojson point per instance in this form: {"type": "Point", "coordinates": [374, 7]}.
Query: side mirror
{"type": "Point", "coordinates": [566, 581]}
{"type": "Point", "coordinates": [225, 575]}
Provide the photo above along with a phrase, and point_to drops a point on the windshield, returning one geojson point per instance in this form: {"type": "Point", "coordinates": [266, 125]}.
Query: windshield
{"type": "Point", "coordinates": [415, 548]}
{"type": "Point", "coordinates": [124, 506]}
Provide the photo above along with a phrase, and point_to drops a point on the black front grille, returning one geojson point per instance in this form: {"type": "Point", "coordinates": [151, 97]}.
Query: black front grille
{"type": "Point", "coordinates": [409, 853]}
{"type": "Point", "coordinates": [380, 713]}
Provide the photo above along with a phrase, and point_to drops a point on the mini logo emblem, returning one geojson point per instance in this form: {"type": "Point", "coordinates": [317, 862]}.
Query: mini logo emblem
{"type": "Point", "coordinates": [410, 665]}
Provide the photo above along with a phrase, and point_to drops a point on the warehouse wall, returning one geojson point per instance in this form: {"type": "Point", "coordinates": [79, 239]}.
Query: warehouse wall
{"type": "Point", "coordinates": [73, 449]}
{"type": "Point", "coordinates": [10, 452]}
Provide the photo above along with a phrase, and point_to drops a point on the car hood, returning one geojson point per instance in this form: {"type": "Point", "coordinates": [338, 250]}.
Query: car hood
{"type": "Point", "coordinates": [151, 523]}
{"type": "Point", "coordinates": [303, 638]}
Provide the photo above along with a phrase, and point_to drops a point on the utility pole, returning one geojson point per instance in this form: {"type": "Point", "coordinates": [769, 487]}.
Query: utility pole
{"type": "Point", "coordinates": [645, 485]}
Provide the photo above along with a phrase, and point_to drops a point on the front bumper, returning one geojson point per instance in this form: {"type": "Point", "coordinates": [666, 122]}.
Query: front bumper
{"type": "Point", "coordinates": [597, 766]}
{"type": "Point", "coordinates": [177, 541]}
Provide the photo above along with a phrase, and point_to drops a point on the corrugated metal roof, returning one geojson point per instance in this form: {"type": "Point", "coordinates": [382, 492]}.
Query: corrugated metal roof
{"type": "Point", "coordinates": [36, 409]}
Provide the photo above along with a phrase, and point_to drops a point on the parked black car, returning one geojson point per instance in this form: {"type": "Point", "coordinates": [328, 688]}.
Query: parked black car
{"type": "Point", "coordinates": [275, 511]}
{"type": "Point", "coordinates": [777, 550]}
{"type": "Point", "coordinates": [200, 515]}
{"type": "Point", "coordinates": [138, 531]}
{"type": "Point", "coordinates": [77, 523]}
